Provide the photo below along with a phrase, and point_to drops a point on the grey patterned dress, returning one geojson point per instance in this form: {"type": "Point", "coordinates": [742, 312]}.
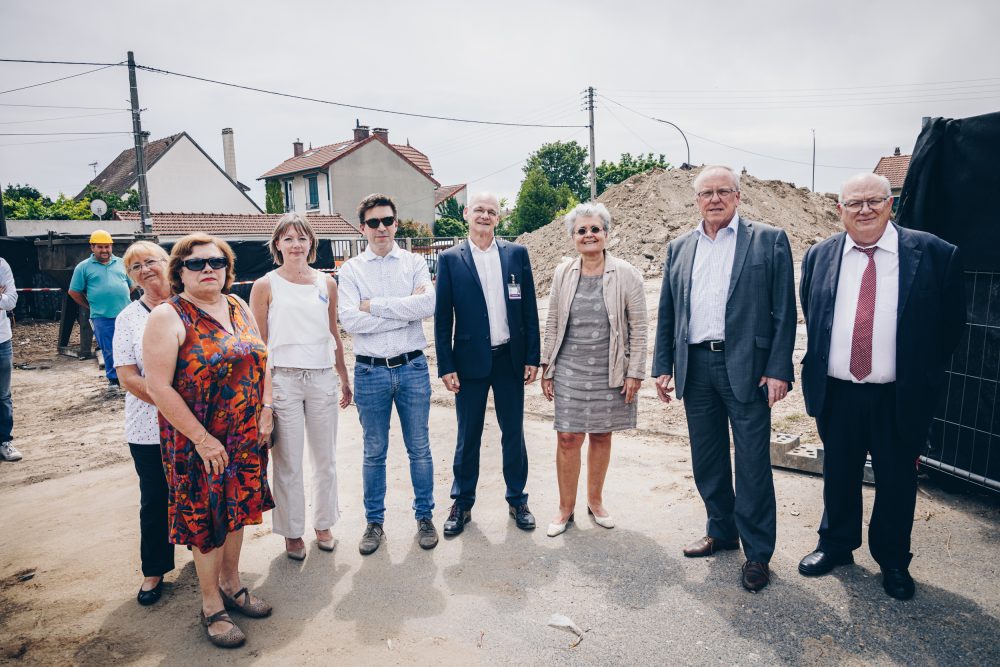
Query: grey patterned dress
{"type": "Point", "coordinates": [584, 402]}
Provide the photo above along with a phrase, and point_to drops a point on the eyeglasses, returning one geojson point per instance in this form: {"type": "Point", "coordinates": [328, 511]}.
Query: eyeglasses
{"type": "Point", "coordinates": [148, 264]}
{"type": "Point", "coordinates": [855, 205]}
{"type": "Point", "coordinates": [488, 211]}
{"type": "Point", "coordinates": [387, 221]}
{"type": "Point", "coordinates": [582, 231]}
{"type": "Point", "coordinates": [198, 263]}
{"type": "Point", "coordinates": [709, 195]}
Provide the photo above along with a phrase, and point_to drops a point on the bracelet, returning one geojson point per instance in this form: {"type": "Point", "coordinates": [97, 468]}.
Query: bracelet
{"type": "Point", "coordinates": [203, 439]}
{"type": "Point", "coordinates": [268, 405]}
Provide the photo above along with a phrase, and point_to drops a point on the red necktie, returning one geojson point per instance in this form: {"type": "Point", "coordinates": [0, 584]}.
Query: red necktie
{"type": "Point", "coordinates": [864, 319]}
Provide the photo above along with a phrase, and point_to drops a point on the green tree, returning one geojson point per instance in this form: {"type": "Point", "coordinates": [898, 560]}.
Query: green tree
{"type": "Point", "coordinates": [274, 202]}
{"type": "Point", "coordinates": [562, 163]}
{"type": "Point", "coordinates": [450, 208]}
{"type": "Point", "coordinates": [445, 227]}
{"type": "Point", "coordinates": [65, 208]}
{"type": "Point", "coordinates": [130, 202]}
{"type": "Point", "coordinates": [537, 203]}
{"type": "Point", "coordinates": [610, 173]}
{"type": "Point", "coordinates": [409, 229]}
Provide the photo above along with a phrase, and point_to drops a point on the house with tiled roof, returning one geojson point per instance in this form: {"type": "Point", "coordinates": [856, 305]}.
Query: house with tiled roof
{"type": "Point", "coordinates": [180, 176]}
{"type": "Point", "coordinates": [332, 179]}
{"type": "Point", "coordinates": [244, 226]}
{"type": "Point", "coordinates": [894, 167]}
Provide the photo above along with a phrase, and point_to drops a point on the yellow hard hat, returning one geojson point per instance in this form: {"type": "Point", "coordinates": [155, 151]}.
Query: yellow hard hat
{"type": "Point", "coordinates": [100, 236]}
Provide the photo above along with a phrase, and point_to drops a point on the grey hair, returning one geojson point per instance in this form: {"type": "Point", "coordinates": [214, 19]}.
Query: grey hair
{"type": "Point", "coordinates": [588, 210]}
{"type": "Point", "coordinates": [480, 196]}
{"type": "Point", "coordinates": [695, 184]}
{"type": "Point", "coordinates": [866, 176]}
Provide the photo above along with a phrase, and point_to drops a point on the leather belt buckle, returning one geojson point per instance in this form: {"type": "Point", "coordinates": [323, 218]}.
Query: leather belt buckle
{"type": "Point", "coordinates": [401, 358]}
{"type": "Point", "coordinates": [716, 345]}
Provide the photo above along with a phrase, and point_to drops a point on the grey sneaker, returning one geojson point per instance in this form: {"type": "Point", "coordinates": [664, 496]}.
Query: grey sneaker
{"type": "Point", "coordinates": [372, 538]}
{"type": "Point", "coordinates": [8, 452]}
{"type": "Point", "coordinates": [427, 537]}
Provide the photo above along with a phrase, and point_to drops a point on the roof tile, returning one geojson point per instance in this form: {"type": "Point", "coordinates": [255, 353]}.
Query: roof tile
{"type": "Point", "coordinates": [893, 167]}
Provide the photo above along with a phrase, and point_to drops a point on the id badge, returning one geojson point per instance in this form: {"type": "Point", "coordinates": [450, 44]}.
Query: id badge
{"type": "Point", "coordinates": [513, 291]}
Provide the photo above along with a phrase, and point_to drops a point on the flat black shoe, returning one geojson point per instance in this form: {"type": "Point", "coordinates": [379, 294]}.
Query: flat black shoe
{"type": "Point", "coordinates": [152, 596]}
{"type": "Point", "coordinates": [457, 518]}
{"type": "Point", "coordinates": [897, 582]}
{"type": "Point", "coordinates": [523, 517]}
{"type": "Point", "coordinates": [820, 562]}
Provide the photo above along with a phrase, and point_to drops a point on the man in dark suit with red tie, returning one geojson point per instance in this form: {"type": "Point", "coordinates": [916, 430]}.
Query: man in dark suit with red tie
{"type": "Point", "coordinates": [884, 308]}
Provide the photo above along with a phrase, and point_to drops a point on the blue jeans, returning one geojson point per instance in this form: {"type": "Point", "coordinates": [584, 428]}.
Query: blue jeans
{"type": "Point", "coordinates": [104, 332]}
{"type": "Point", "coordinates": [376, 388]}
{"type": "Point", "coordinates": [6, 405]}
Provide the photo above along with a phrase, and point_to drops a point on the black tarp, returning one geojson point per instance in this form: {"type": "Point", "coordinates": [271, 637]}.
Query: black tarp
{"type": "Point", "coordinates": [954, 171]}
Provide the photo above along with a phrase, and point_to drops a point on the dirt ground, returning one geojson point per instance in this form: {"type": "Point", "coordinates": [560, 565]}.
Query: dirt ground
{"type": "Point", "coordinates": [69, 562]}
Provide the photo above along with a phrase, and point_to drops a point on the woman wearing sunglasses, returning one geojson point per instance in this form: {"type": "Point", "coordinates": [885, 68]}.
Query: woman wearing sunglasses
{"type": "Point", "coordinates": [146, 266]}
{"type": "Point", "coordinates": [593, 359]}
{"type": "Point", "coordinates": [206, 372]}
{"type": "Point", "coordinates": [296, 307]}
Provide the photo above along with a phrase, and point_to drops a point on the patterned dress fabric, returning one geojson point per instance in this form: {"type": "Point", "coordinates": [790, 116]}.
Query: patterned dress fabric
{"type": "Point", "coordinates": [220, 375]}
{"type": "Point", "coordinates": [584, 402]}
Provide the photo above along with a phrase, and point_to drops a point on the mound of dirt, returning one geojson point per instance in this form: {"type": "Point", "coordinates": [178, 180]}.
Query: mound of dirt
{"type": "Point", "coordinates": [650, 209]}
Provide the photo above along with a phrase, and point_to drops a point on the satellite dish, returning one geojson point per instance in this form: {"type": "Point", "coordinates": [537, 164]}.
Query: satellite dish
{"type": "Point", "coordinates": [98, 208]}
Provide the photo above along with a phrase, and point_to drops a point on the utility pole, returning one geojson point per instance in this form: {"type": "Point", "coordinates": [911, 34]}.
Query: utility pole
{"type": "Point", "coordinates": [593, 157]}
{"type": "Point", "coordinates": [814, 160]}
{"type": "Point", "coordinates": [140, 152]}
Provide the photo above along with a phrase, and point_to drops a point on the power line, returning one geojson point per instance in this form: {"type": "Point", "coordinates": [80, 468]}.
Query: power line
{"type": "Point", "coordinates": [345, 104]}
{"type": "Point", "coordinates": [667, 91]}
{"type": "Point", "coordinates": [58, 106]}
{"type": "Point", "coordinates": [50, 134]}
{"type": "Point", "coordinates": [44, 120]}
{"type": "Point", "coordinates": [63, 78]}
{"type": "Point", "coordinates": [51, 141]}
{"type": "Point", "coordinates": [57, 62]}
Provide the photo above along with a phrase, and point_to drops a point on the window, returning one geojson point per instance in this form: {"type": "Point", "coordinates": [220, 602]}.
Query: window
{"type": "Point", "coordinates": [312, 192]}
{"type": "Point", "coordinates": [289, 199]}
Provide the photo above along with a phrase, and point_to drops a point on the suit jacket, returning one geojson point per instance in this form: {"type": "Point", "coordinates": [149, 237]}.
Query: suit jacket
{"type": "Point", "coordinates": [930, 317]}
{"type": "Point", "coordinates": [461, 321]}
{"type": "Point", "coordinates": [760, 310]}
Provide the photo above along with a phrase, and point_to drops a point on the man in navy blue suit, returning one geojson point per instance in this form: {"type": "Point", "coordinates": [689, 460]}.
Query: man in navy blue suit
{"type": "Point", "coordinates": [486, 337]}
{"type": "Point", "coordinates": [884, 308]}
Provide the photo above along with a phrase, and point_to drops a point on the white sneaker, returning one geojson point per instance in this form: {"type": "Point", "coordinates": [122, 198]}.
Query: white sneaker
{"type": "Point", "coordinates": [8, 452]}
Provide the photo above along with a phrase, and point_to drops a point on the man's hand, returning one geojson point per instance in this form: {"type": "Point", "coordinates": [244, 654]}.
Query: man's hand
{"type": "Point", "coordinates": [776, 390]}
{"type": "Point", "coordinates": [630, 389]}
{"type": "Point", "coordinates": [451, 382]}
{"type": "Point", "coordinates": [663, 388]}
{"type": "Point", "coordinates": [548, 388]}
{"type": "Point", "coordinates": [530, 373]}
{"type": "Point", "coordinates": [419, 289]}
{"type": "Point", "coordinates": [265, 427]}
{"type": "Point", "coordinates": [365, 305]}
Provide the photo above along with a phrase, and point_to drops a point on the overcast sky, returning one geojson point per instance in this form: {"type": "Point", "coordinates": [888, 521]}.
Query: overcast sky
{"type": "Point", "coordinates": [756, 76]}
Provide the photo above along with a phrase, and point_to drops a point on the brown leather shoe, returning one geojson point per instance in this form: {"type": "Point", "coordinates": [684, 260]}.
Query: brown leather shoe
{"type": "Point", "coordinates": [707, 546]}
{"type": "Point", "coordinates": [755, 576]}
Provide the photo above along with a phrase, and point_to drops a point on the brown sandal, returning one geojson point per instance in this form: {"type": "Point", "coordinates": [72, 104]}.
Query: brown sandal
{"type": "Point", "coordinates": [232, 638]}
{"type": "Point", "coordinates": [249, 607]}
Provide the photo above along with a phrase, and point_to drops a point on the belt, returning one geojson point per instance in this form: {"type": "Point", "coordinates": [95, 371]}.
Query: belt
{"type": "Point", "coordinates": [391, 362]}
{"type": "Point", "coordinates": [497, 350]}
{"type": "Point", "coordinates": [711, 345]}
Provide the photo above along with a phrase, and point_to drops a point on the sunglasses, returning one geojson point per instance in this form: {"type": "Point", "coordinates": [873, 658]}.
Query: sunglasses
{"type": "Point", "coordinates": [198, 263]}
{"type": "Point", "coordinates": [593, 230]}
{"type": "Point", "coordinates": [387, 221]}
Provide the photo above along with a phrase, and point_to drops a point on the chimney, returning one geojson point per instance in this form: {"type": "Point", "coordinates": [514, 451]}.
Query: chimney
{"type": "Point", "coordinates": [381, 134]}
{"type": "Point", "coordinates": [297, 148]}
{"type": "Point", "coordinates": [360, 132]}
{"type": "Point", "coordinates": [229, 152]}
{"type": "Point", "coordinates": [896, 152]}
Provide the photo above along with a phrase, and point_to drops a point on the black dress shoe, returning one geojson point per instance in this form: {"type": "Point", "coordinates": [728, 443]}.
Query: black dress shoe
{"type": "Point", "coordinates": [457, 518]}
{"type": "Point", "coordinates": [897, 582]}
{"type": "Point", "coordinates": [523, 517]}
{"type": "Point", "coordinates": [149, 597]}
{"type": "Point", "coordinates": [820, 562]}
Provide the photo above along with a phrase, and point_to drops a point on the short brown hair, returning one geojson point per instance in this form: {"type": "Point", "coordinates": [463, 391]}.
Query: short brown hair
{"type": "Point", "coordinates": [297, 222]}
{"type": "Point", "coordinates": [185, 246]}
{"type": "Point", "coordinates": [373, 200]}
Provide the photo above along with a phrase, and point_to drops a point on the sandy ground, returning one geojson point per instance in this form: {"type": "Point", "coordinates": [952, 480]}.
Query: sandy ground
{"type": "Point", "coordinates": [69, 562]}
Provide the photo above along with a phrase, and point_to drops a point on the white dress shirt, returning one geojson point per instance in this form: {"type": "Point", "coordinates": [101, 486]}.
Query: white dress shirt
{"type": "Point", "coordinates": [852, 266]}
{"type": "Point", "coordinates": [491, 277]}
{"type": "Point", "coordinates": [393, 325]}
{"type": "Point", "coordinates": [713, 269]}
{"type": "Point", "coordinates": [7, 300]}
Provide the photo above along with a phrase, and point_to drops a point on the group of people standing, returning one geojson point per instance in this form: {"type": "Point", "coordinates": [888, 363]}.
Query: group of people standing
{"type": "Point", "coordinates": [222, 386]}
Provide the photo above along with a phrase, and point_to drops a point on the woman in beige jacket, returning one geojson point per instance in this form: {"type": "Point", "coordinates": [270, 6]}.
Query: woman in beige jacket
{"type": "Point", "coordinates": [593, 359]}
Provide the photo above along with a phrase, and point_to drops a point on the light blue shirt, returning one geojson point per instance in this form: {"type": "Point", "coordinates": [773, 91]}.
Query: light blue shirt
{"type": "Point", "coordinates": [713, 269]}
{"type": "Point", "coordinates": [105, 285]}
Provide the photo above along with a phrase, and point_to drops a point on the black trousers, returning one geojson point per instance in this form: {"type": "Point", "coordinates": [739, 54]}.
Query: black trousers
{"type": "Point", "coordinates": [857, 420]}
{"type": "Point", "coordinates": [154, 544]}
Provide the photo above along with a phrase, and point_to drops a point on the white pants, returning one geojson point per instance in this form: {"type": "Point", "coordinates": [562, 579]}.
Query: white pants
{"type": "Point", "coordinates": [305, 408]}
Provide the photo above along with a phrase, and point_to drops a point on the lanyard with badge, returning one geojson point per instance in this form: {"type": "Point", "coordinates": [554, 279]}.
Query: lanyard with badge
{"type": "Point", "coordinates": [513, 288]}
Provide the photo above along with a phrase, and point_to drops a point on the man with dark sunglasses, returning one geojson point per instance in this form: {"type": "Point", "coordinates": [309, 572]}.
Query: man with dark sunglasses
{"type": "Point", "coordinates": [486, 337]}
{"type": "Point", "coordinates": [384, 293]}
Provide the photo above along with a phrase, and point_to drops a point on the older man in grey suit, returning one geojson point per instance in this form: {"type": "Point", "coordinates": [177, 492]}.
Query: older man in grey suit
{"type": "Point", "coordinates": [725, 334]}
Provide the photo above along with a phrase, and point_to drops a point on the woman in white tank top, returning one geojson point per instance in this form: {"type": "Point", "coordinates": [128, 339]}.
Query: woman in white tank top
{"type": "Point", "coordinates": [296, 309]}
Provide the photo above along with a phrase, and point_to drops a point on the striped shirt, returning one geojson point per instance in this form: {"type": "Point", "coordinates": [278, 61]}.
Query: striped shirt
{"type": "Point", "coordinates": [713, 268]}
{"type": "Point", "coordinates": [393, 325]}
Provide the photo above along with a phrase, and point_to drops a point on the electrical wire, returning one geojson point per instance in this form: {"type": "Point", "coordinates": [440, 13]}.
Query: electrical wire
{"type": "Point", "coordinates": [52, 141]}
{"type": "Point", "coordinates": [44, 120]}
{"type": "Point", "coordinates": [667, 91]}
{"type": "Point", "coordinates": [50, 134]}
{"type": "Point", "coordinates": [58, 106]}
{"type": "Point", "coordinates": [63, 78]}
{"type": "Point", "coordinates": [57, 62]}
